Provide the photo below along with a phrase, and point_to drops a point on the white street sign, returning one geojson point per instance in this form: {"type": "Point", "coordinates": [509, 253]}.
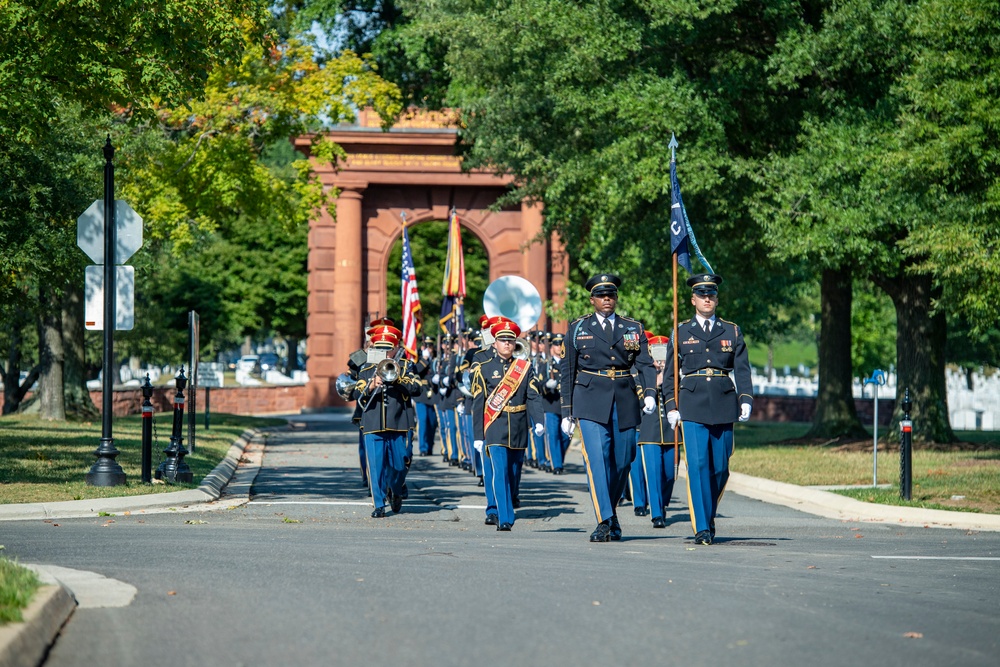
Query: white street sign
{"type": "Point", "coordinates": [124, 306]}
{"type": "Point", "coordinates": [210, 374]}
{"type": "Point", "coordinates": [128, 231]}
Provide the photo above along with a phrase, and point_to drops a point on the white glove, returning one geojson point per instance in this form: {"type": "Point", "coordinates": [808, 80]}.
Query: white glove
{"type": "Point", "coordinates": [436, 379]}
{"type": "Point", "coordinates": [551, 384]}
{"type": "Point", "coordinates": [460, 408]}
{"type": "Point", "coordinates": [539, 429]}
{"type": "Point", "coordinates": [672, 418]}
{"type": "Point", "coordinates": [426, 354]}
{"type": "Point", "coordinates": [745, 412]}
{"type": "Point", "coordinates": [446, 380]}
{"type": "Point", "coordinates": [443, 391]}
{"type": "Point", "coordinates": [568, 425]}
{"type": "Point", "coordinates": [478, 445]}
{"type": "Point", "coordinates": [648, 405]}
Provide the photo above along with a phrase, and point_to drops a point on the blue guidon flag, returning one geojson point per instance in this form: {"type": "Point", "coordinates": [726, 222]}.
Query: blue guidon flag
{"type": "Point", "coordinates": [678, 225]}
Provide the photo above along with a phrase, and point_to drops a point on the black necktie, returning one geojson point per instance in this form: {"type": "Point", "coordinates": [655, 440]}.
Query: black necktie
{"type": "Point", "coordinates": [607, 328]}
{"type": "Point", "coordinates": [707, 327]}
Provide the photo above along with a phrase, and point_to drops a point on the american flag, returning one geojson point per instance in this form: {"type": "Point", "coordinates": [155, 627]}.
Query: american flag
{"type": "Point", "coordinates": [411, 299]}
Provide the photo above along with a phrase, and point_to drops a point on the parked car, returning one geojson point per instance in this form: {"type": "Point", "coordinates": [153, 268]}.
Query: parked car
{"type": "Point", "coordinates": [269, 362]}
{"type": "Point", "coordinates": [249, 363]}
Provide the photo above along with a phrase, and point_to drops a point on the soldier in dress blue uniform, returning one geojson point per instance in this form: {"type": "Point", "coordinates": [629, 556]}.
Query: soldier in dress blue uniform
{"type": "Point", "coordinates": [508, 389]}
{"type": "Point", "coordinates": [556, 441]}
{"type": "Point", "coordinates": [385, 421]}
{"type": "Point", "coordinates": [485, 353]}
{"type": "Point", "coordinates": [715, 391]}
{"type": "Point", "coordinates": [424, 401]}
{"type": "Point", "coordinates": [656, 448]}
{"type": "Point", "coordinates": [599, 392]}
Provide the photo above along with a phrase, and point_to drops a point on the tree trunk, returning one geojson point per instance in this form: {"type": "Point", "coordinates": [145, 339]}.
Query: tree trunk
{"type": "Point", "coordinates": [920, 357]}
{"type": "Point", "coordinates": [75, 393]}
{"type": "Point", "coordinates": [836, 415]}
{"type": "Point", "coordinates": [10, 373]}
{"type": "Point", "coordinates": [50, 358]}
{"type": "Point", "coordinates": [293, 354]}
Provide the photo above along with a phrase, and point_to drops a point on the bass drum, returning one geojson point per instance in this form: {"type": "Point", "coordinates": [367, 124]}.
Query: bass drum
{"type": "Point", "coordinates": [516, 299]}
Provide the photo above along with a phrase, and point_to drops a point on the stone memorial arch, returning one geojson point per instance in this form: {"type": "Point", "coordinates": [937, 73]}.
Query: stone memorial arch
{"type": "Point", "coordinates": [409, 170]}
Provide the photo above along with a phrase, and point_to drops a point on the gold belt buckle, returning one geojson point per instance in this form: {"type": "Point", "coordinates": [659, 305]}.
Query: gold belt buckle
{"type": "Point", "coordinates": [610, 373]}
{"type": "Point", "coordinates": [710, 372]}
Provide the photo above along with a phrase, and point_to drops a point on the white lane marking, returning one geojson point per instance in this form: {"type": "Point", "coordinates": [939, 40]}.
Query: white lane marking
{"type": "Point", "coordinates": [935, 558]}
{"type": "Point", "coordinates": [91, 590]}
{"type": "Point", "coordinates": [359, 504]}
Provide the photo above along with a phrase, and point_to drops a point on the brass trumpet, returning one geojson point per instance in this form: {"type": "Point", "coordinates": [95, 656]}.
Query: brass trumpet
{"type": "Point", "coordinates": [521, 349]}
{"type": "Point", "coordinates": [388, 370]}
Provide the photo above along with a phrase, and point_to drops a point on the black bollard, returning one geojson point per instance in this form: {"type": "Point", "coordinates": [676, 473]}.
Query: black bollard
{"type": "Point", "coordinates": [906, 449]}
{"type": "Point", "coordinates": [147, 431]}
{"type": "Point", "coordinates": [174, 469]}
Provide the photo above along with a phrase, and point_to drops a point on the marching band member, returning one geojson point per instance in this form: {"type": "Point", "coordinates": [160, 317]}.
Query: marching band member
{"type": "Point", "coordinates": [656, 449]}
{"type": "Point", "coordinates": [385, 420]}
{"type": "Point", "coordinates": [599, 392]}
{"type": "Point", "coordinates": [536, 450]}
{"type": "Point", "coordinates": [427, 422]}
{"type": "Point", "coordinates": [505, 393]}
{"type": "Point", "coordinates": [557, 442]}
{"type": "Point", "coordinates": [716, 390]}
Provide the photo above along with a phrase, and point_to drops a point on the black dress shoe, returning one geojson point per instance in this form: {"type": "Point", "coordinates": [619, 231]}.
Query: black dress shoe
{"type": "Point", "coordinates": [557, 471]}
{"type": "Point", "coordinates": [405, 492]}
{"type": "Point", "coordinates": [516, 502]}
{"type": "Point", "coordinates": [703, 537]}
{"type": "Point", "coordinates": [481, 482]}
{"type": "Point", "coordinates": [453, 463]}
{"type": "Point", "coordinates": [491, 520]}
{"type": "Point", "coordinates": [659, 522]}
{"type": "Point", "coordinates": [641, 511]}
{"type": "Point", "coordinates": [711, 529]}
{"type": "Point", "coordinates": [505, 527]}
{"type": "Point", "coordinates": [396, 502]}
{"type": "Point", "coordinates": [602, 533]}
{"type": "Point", "coordinates": [616, 529]}
{"type": "Point", "coordinates": [379, 513]}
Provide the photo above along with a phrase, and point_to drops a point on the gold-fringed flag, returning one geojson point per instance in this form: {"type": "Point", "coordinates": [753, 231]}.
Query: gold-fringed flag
{"type": "Point", "coordinates": [452, 309]}
{"type": "Point", "coordinates": [411, 299]}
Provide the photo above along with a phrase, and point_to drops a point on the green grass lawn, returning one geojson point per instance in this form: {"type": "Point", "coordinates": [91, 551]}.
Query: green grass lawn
{"type": "Point", "coordinates": [17, 586]}
{"type": "Point", "coordinates": [938, 476]}
{"type": "Point", "coordinates": [46, 461]}
{"type": "Point", "coordinates": [785, 354]}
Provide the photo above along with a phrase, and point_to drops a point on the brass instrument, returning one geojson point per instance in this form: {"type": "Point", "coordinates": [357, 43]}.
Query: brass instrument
{"type": "Point", "coordinates": [388, 370]}
{"type": "Point", "coordinates": [345, 385]}
{"type": "Point", "coordinates": [521, 349]}
{"type": "Point", "coordinates": [515, 298]}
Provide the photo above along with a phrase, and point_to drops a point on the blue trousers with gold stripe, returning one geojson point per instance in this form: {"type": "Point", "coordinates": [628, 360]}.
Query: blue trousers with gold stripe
{"type": "Point", "coordinates": [449, 433]}
{"type": "Point", "coordinates": [707, 448]}
{"type": "Point", "coordinates": [558, 442]}
{"type": "Point", "coordinates": [607, 455]}
{"type": "Point", "coordinates": [427, 422]}
{"type": "Point", "coordinates": [637, 483]}
{"type": "Point", "coordinates": [658, 461]}
{"type": "Point", "coordinates": [385, 451]}
{"type": "Point", "coordinates": [507, 465]}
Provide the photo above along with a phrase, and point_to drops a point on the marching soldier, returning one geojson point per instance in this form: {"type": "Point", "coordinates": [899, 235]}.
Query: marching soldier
{"type": "Point", "coordinates": [505, 394]}
{"type": "Point", "coordinates": [715, 390]}
{"type": "Point", "coordinates": [537, 452]}
{"type": "Point", "coordinates": [656, 449]}
{"type": "Point", "coordinates": [443, 379]}
{"type": "Point", "coordinates": [427, 422]}
{"type": "Point", "coordinates": [385, 420]}
{"type": "Point", "coordinates": [557, 441]}
{"type": "Point", "coordinates": [599, 392]}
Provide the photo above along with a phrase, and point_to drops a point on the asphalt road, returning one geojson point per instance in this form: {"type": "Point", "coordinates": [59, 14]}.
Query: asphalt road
{"type": "Point", "coordinates": [302, 575]}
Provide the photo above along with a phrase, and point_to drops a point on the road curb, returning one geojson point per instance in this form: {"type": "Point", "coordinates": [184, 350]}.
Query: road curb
{"type": "Point", "coordinates": [835, 506]}
{"type": "Point", "coordinates": [210, 489]}
{"type": "Point", "coordinates": [27, 642]}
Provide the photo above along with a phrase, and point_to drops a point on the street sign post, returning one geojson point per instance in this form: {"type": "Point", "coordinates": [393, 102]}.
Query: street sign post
{"type": "Point", "coordinates": [110, 230]}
